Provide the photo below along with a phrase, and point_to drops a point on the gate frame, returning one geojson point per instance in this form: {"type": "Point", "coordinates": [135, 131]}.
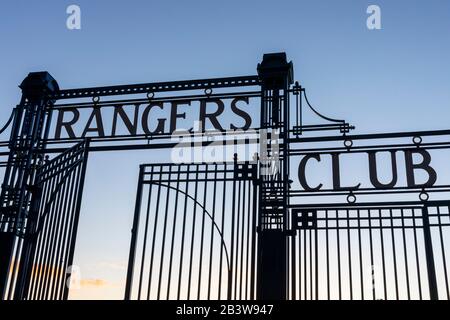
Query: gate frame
{"type": "Point", "coordinates": [29, 143]}
{"type": "Point", "coordinates": [246, 171]}
{"type": "Point", "coordinates": [427, 239]}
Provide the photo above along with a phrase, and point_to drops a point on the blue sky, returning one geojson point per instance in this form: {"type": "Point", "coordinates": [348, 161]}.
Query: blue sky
{"type": "Point", "coordinates": [400, 71]}
{"type": "Point", "coordinates": [392, 79]}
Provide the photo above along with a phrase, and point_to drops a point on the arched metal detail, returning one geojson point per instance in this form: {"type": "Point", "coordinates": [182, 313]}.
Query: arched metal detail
{"type": "Point", "coordinates": [191, 251]}
{"type": "Point", "coordinates": [205, 212]}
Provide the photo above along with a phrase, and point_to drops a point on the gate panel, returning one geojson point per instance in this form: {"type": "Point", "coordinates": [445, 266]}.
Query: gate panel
{"type": "Point", "coordinates": [194, 233]}
{"type": "Point", "coordinates": [49, 243]}
{"type": "Point", "coordinates": [370, 252]}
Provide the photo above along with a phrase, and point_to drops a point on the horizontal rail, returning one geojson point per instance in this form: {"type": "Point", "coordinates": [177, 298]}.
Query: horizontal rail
{"type": "Point", "coordinates": [158, 87]}
{"type": "Point", "coordinates": [389, 135]}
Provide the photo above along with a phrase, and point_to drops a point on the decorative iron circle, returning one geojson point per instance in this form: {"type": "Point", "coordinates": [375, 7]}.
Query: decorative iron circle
{"type": "Point", "coordinates": [351, 198]}
{"type": "Point", "coordinates": [417, 140]}
{"type": "Point", "coordinates": [150, 95]}
{"type": "Point", "coordinates": [96, 99]}
{"type": "Point", "coordinates": [424, 196]}
{"type": "Point", "coordinates": [208, 91]}
{"type": "Point", "coordinates": [348, 143]}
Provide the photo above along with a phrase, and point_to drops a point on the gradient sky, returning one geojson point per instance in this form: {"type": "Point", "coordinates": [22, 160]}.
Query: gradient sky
{"type": "Point", "coordinates": [385, 80]}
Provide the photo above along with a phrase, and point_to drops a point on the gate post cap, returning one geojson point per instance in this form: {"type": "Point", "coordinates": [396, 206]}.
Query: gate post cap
{"type": "Point", "coordinates": [275, 71]}
{"type": "Point", "coordinates": [38, 85]}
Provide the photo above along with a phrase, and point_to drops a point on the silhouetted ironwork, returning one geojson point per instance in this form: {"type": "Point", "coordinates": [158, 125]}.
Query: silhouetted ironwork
{"type": "Point", "coordinates": [237, 229]}
{"type": "Point", "coordinates": [368, 251]}
{"type": "Point", "coordinates": [49, 244]}
{"type": "Point", "coordinates": [194, 232]}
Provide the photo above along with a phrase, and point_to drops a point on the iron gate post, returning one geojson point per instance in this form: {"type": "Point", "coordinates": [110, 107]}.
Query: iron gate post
{"type": "Point", "coordinates": [28, 134]}
{"type": "Point", "coordinates": [276, 75]}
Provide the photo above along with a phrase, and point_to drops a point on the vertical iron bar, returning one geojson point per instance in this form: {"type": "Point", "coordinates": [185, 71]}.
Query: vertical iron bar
{"type": "Point", "coordinates": [338, 255]}
{"type": "Point", "coordinates": [372, 265]}
{"type": "Point", "coordinates": [327, 231]}
{"type": "Point", "coordinates": [432, 283]}
{"type": "Point", "coordinates": [349, 255]}
{"type": "Point", "coordinates": [236, 266]}
{"type": "Point", "coordinates": [173, 231]}
{"type": "Point", "coordinates": [211, 243]}
{"type": "Point", "coordinates": [254, 239]}
{"type": "Point", "coordinates": [233, 214]}
{"type": "Point", "coordinates": [183, 232]}
{"type": "Point", "coordinates": [416, 250]}
{"type": "Point", "coordinates": [242, 240]}
{"type": "Point", "coordinates": [405, 255]}
{"type": "Point", "coordinates": [299, 246]}
{"type": "Point", "coordinates": [193, 232]}
{"type": "Point", "coordinates": [383, 261]}
{"type": "Point", "coordinates": [163, 244]}
{"type": "Point", "coordinates": [293, 264]}
{"type": "Point", "coordinates": [202, 237]}
{"type": "Point", "coordinates": [247, 254]}
{"type": "Point", "coordinates": [441, 238]}
{"type": "Point", "coordinates": [316, 262]}
{"type": "Point", "coordinates": [310, 265]}
{"type": "Point", "coordinates": [134, 232]}
{"type": "Point", "coordinates": [76, 216]}
{"type": "Point", "coordinates": [79, 179]}
{"type": "Point", "coordinates": [155, 229]}
{"type": "Point", "coordinates": [305, 273]}
{"type": "Point", "coordinates": [361, 270]}
{"type": "Point", "coordinates": [222, 226]}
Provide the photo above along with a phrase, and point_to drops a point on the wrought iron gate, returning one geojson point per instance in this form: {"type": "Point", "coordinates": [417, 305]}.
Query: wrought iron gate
{"type": "Point", "coordinates": [194, 232]}
{"type": "Point", "coordinates": [373, 251]}
{"type": "Point", "coordinates": [43, 252]}
{"type": "Point", "coordinates": [231, 230]}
